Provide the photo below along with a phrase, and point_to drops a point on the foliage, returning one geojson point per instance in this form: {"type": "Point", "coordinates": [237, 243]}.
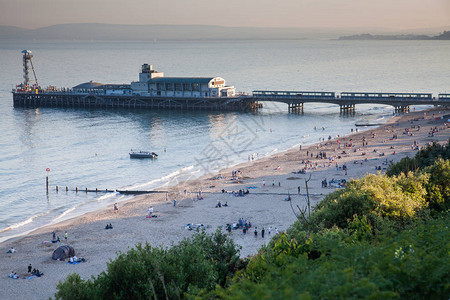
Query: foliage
{"type": "Point", "coordinates": [424, 158]}
{"type": "Point", "coordinates": [193, 265]}
{"type": "Point", "coordinates": [413, 265]}
{"type": "Point", "coordinates": [372, 198]}
{"type": "Point", "coordinates": [438, 186]}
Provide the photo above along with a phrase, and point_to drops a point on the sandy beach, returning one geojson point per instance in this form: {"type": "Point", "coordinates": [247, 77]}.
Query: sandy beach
{"type": "Point", "coordinates": [269, 181]}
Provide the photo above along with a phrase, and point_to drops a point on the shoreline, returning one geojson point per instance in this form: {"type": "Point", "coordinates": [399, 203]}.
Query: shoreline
{"type": "Point", "coordinates": [136, 198]}
{"type": "Point", "coordinates": [104, 206]}
{"type": "Point", "coordinates": [269, 180]}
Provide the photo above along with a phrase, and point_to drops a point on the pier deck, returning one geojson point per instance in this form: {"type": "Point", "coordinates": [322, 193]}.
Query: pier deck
{"type": "Point", "coordinates": [295, 101]}
{"type": "Point", "coordinates": [241, 103]}
{"type": "Point", "coordinates": [347, 101]}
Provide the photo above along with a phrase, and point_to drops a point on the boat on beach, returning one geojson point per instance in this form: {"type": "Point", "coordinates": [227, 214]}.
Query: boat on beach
{"type": "Point", "coordinates": [142, 154]}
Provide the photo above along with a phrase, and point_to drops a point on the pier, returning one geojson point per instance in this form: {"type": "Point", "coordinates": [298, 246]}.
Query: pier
{"type": "Point", "coordinates": [73, 100]}
{"type": "Point", "coordinates": [347, 100]}
{"type": "Point", "coordinates": [155, 91]}
{"type": "Point", "coordinates": [244, 103]}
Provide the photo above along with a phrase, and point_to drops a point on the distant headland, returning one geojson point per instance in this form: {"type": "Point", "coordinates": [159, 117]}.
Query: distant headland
{"type": "Point", "coordinates": [366, 36]}
{"type": "Point", "coordinates": [120, 32]}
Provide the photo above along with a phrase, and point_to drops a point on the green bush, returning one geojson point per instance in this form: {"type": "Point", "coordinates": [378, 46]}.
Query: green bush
{"type": "Point", "coordinates": [424, 158]}
{"type": "Point", "coordinates": [438, 185]}
{"type": "Point", "coordinates": [190, 267]}
{"type": "Point", "coordinates": [413, 265]}
{"type": "Point", "coordinates": [372, 198]}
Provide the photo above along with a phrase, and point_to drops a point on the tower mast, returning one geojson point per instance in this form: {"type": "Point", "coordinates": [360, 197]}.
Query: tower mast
{"type": "Point", "coordinates": [27, 56]}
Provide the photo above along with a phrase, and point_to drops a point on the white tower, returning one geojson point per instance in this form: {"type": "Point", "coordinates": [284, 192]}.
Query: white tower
{"type": "Point", "coordinates": [27, 56]}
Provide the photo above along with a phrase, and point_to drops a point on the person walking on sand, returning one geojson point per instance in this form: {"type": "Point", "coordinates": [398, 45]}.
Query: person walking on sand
{"type": "Point", "coordinates": [65, 236]}
{"type": "Point", "coordinates": [262, 232]}
{"type": "Point", "coordinates": [174, 202]}
{"type": "Point", "coordinates": [116, 208]}
{"type": "Point", "coordinates": [29, 268]}
{"type": "Point", "coordinates": [270, 229]}
{"type": "Point", "coordinates": [256, 232]}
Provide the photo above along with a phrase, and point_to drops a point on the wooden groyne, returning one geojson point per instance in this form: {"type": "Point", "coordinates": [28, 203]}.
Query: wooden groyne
{"type": "Point", "coordinates": [97, 190]}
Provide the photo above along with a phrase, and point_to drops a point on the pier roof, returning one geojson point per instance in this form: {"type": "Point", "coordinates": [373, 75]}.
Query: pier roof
{"type": "Point", "coordinates": [88, 85]}
{"type": "Point", "coordinates": [181, 79]}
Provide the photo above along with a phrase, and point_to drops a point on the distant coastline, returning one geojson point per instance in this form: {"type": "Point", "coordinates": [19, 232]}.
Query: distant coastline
{"type": "Point", "coordinates": [367, 36]}
{"type": "Point", "coordinates": [119, 32]}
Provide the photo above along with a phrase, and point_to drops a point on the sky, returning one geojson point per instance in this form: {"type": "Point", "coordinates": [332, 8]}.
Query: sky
{"type": "Point", "coordinates": [389, 14]}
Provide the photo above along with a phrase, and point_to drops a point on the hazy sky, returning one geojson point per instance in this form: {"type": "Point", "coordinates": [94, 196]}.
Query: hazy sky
{"type": "Point", "coordinates": [395, 14]}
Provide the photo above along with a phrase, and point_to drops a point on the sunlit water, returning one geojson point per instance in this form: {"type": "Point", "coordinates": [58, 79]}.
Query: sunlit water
{"type": "Point", "coordinates": [89, 148]}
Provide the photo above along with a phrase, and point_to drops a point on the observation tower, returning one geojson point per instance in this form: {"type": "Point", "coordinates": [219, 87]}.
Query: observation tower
{"type": "Point", "coordinates": [27, 67]}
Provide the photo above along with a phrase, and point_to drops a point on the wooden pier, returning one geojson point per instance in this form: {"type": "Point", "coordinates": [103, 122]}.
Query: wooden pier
{"type": "Point", "coordinates": [347, 100]}
{"type": "Point", "coordinates": [68, 100]}
{"type": "Point", "coordinates": [244, 103]}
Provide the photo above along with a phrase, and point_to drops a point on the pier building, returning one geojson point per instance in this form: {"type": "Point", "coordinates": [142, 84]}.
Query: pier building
{"type": "Point", "coordinates": [153, 83]}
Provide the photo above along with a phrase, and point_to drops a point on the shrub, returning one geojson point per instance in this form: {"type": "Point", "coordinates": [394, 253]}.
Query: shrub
{"type": "Point", "coordinates": [372, 197]}
{"type": "Point", "coordinates": [413, 265]}
{"type": "Point", "coordinates": [438, 185]}
{"type": "Point", "coordinates": [192, 266]}
{"type": "Point", "coordinates": [424, 158]}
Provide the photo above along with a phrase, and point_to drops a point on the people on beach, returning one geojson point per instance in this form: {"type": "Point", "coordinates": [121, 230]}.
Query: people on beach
{"type": "Point", "coordinates": [29, 268]}
{"type": "Point", "coordinates": [12, 250]}
{"type": "Point", "coordinates": [262, 232]}
{"type": "Point", "coordinates": [116, 208]}
{"type": "Point", "coordinates": [65, 236]}
{"type": "Point", "coordinates": [174, 202]}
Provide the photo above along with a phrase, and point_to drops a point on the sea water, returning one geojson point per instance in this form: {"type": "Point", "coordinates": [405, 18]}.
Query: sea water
{"type": "Point", "coordinates": [88, 148]}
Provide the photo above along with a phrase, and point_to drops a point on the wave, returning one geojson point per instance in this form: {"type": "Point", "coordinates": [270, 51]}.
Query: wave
{"type": "Point", "coordinates": [27, 221]}
{"type": "Point", "coordinates": [65, 213]}
{"type": "Point", "coordinates": [164, 178]}
{"type": "Point", "coordinates": [106, 196]}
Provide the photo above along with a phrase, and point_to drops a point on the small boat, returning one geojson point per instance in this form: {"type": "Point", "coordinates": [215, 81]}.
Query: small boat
{"type": "Point", "coordinates": [143, 154]}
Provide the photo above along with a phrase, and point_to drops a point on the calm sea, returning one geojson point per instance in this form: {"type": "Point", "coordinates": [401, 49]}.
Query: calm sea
{"type": "Point", "coordinates": [89, 148]}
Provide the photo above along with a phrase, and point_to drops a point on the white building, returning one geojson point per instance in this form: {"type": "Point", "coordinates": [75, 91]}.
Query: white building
{"type": "Point", "coordinates": [153, 83]}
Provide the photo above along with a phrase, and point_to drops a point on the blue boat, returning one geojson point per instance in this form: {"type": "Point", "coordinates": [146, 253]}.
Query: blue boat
{"type": "Point", "coordinates": [142, 154]}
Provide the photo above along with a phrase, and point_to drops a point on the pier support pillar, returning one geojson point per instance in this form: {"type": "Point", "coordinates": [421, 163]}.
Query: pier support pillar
{"type": "Point", "coordinates": [347, 108]}
{"type": "Point", "coordinates": [296, 108]}
{"type": "Point", "coordinates": [401, 108]}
